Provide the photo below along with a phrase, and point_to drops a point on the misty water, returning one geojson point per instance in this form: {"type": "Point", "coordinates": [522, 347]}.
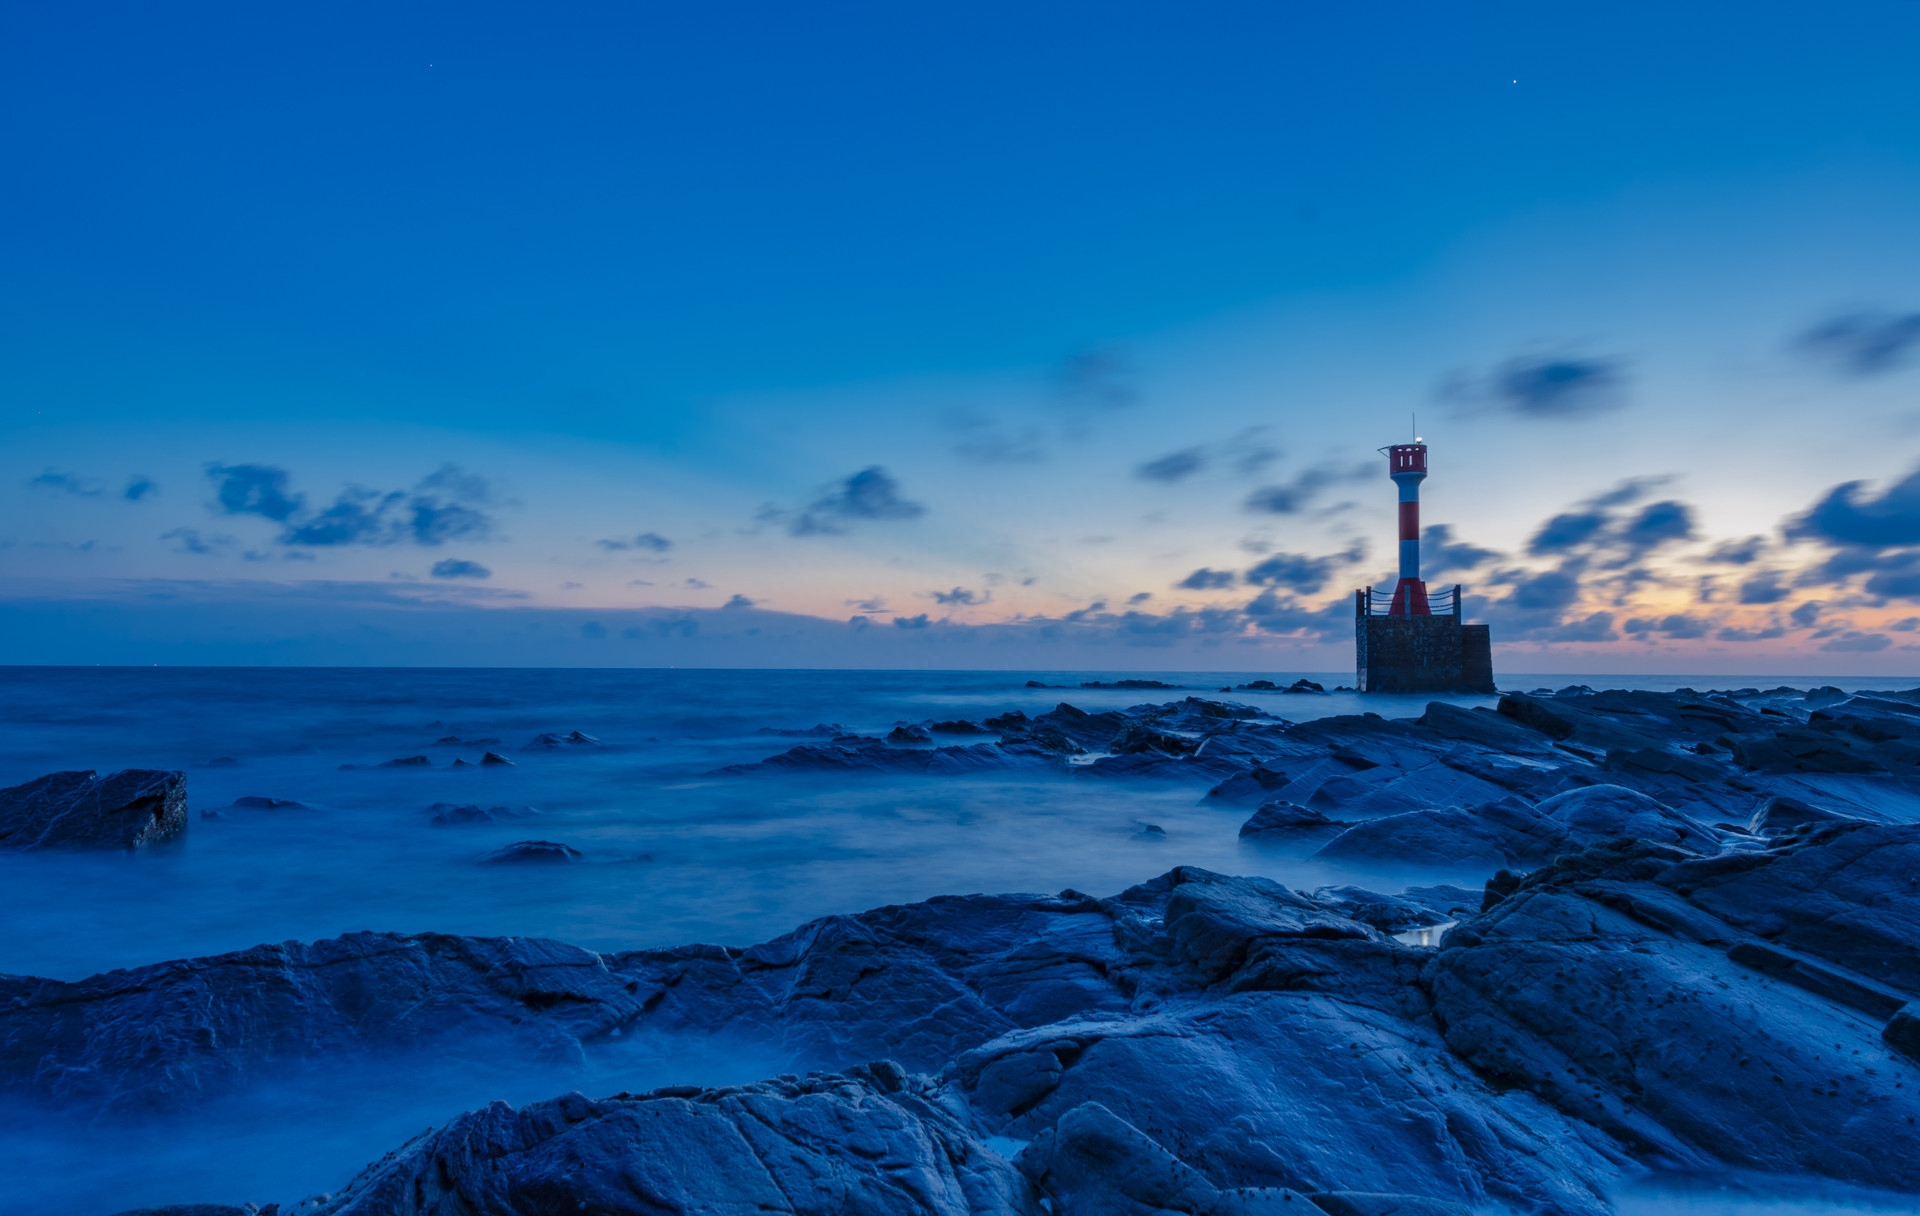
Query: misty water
{"type": "Point", "coordinates": [671, 854]}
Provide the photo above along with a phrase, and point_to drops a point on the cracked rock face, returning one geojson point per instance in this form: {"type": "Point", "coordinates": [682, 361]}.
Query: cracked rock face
{"type": "Point", "coordinates": [132, 809]}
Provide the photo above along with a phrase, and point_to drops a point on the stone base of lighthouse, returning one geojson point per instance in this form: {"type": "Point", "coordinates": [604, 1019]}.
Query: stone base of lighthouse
{"type": "Point", "coordinates": [1421, 653]}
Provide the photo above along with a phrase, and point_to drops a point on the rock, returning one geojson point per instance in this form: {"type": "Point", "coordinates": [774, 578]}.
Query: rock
{"type": "Point", "coordinates": [1605, 812]}
{"type": "Point", "coordinates": [1037, 684]}
{"type": "Point", "coordinates": [132, 809]}
{"type": "Point", "coordinates": [1254, 686]}
{"type": "Point", "coordinates": [549, 742]}
{"type": "Point", "coordinates": [255, 802]}
{"type": "Point", "coordinates": [1506, 832]}
{"type": "Point", "coordinates": [1135, 738]}
{"type": "Point", "coordinates": [447, 814]}
{"type": "Point", "coordinates": [906, 735]}
{"type": "Point", "coordinates": [956, 727]}
{"type": "Point", "coordinates": [1902, 1031]}
{"type": "Point", "coordinates": [457, 741]}
{"type": "Point", "coordinates": [1251, 788]}
{"type": "Point", "coordinates": [1610, 985]}
{"type": "Point", "coordinates": [868, 1142]}
{"type": "Point", "coordinates": [820, 730]}
{"type": "Point", "coordinates": [1151, 831]}
{"type": "Point", "coordinates": [1095, 1163]}
{"type": "Point", "coordinates": [1367, 1203]}
{"type": "Point", "coordinates": [222, 762]}
{"type": "Point", "coordinates": [1304, 686]}
{"type": "Point", "coordinates": [495, 758]}
{"type": "Point", "coordinates": [1281, 822]}
{"type": "Point", "coordinates": [547, 851]}
{"type": "Point", "coordinates": [406, 762]}
{"type": "Point", "coordinates": [212, 815]}
{"type": "Point", "coordinates": [1139, 684]}
{"type": "Point", "coordinates": [1782, 814]}
{"type": "Point", "coordinates": [1386, 913]}
{"type": "Point", "coordinates": [459, 763]}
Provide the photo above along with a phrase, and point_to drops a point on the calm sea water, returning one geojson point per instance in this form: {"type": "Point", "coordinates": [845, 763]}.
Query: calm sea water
{"type": "Point", "coordinates": [670, 856]}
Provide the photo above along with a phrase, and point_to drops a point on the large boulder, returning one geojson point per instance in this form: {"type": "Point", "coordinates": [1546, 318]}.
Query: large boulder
{"type": "Point", "coordinates": [869, 1142]}
{"type": "Point", "coordinates": [135, 808]}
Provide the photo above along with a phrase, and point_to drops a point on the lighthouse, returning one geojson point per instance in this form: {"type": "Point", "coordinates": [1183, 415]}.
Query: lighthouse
{"type": "Point", "coordinates": [1409, 641]}
{"type": "Point", "coordinates": [1407, 465]}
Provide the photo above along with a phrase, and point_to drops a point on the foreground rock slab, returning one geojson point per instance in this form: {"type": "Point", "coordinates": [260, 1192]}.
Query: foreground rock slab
{"type": "Point", "coordinates": [132, 809]}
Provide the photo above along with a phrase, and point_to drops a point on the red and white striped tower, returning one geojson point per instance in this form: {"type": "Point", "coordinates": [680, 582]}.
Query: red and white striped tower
{"type": "Point", "coordinates": [1407, 465]}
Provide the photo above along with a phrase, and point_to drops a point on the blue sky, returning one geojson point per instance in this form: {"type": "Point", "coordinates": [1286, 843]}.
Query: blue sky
{"type": "Point", "coordinates": [957, 336]}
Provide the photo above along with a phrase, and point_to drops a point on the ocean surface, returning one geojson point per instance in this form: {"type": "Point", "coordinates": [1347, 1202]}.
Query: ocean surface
{"type": "Point", "coordinates": [671, 854]}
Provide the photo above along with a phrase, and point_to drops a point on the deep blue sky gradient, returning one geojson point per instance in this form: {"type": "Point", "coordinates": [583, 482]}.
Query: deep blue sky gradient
{"type": "Point", "coordinates": [277, 232]}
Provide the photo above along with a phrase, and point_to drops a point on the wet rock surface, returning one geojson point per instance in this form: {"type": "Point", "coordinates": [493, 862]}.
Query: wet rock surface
{"type": "Point", "coordinates": [132, 809]}
{"type": "Point", "coordinates": [1200, 1043]}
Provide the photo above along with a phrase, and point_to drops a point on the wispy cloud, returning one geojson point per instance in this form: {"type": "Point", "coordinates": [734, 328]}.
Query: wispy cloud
{"type": "Point", "coordinates": [1543, 386]}
{"type": "Point", "coordinates": [867, 496]}
{"type": "Point", "coordinates": [1292, 497]}
{"type": "Point", "coordinates": [960, 597]}
{"type": "Point", "coordinates": [1862, 344]}
{"type": "Point", "coordinates": [650, 542]}
{"type": "Point", "coordinates": [453, 567]}
{"type": "Point", "coordinates": [65, 483]}
{"type": "Point", "coordinates": [445, 505]}
{"type": "Point", "coordinates": [1175, 466]}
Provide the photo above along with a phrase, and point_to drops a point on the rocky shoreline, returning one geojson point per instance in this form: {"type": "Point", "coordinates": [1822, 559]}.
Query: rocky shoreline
{"type": "Point", "coordinates": [1695, 952]}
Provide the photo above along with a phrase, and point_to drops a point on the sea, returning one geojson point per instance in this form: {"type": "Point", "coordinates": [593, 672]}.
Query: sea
{"type": "Point", "coordinates": [670, 853]}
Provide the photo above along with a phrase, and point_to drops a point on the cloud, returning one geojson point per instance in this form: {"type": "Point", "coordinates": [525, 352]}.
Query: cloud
{"type": "Point", "coordinates": [1596, 627]}
{"type": "Point", "coordinates": [1440, 554]}
{"type": "Point", "coordinates": [1566, 531]}
{"type": "Point", "coordinates": [1854, 640]}
{"type": "Point", "coordinates": [190, 541]}
{"type": "Point", "coordinates": [1139, 597]}
{"type": "Point", "coordinates": [871, 604]}
{"type": "Point", "coordinates": [1862, 344]}
{"type": "Point", "coordinates": [1763, 588]}
{"type": "Point", "coordinates": [454, 567]}
{"type": "Point", "coordinates": [1269, 612]}
{"type": "Point", "coordinates": [910, 622]}
{"type": "Point", "coordinates": [253, 489]}
{"type": "Point", "coordinates": [1204, 579]}
{"type": "Point", "coordinates": [1845, 517]}
{"type": "Point", "coordinates": [1101, 379]}
{"type": "Point", "coordinates": [961, 597]}
{"type": "Point", "coordinates": [695, 584]}
{"type": "Point", "coordinates": [444, 505]}
{"type": "Point", "coordinates": [869, 494]}
{"type": "Point", "coordinates": [1292, 497]}
{"type": "Point", "coordinates": [739, 601]}
{"type": "Point", "coordinates": [1535, 386]}
{"type": "Point", "coordinates": [65, 483]}
{"type": "Point", "coordinates": [138, 488]}
{"type": "Point", "coordinates": [592, 630]}
{"type": "Point", "coordinates": [1657, 524]}
{"type": "Point", "coordinates": [1806, 614]}
{"type": "Point", "coordinates": [1733, 634]}
{"type": "Point", "coordinates": [1298, 572]}
{"type": "Point", "coordinates": [652, 542]}
{"type": "Point", "coordinates": [1175, 466]}
{"type": "Point", "coordinates": [1549, 591]}
{"type": "Point", "coordinates": [1738, 552]}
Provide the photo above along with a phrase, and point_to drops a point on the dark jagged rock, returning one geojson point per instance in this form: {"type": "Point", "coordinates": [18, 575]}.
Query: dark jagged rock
{"type": "Point", "coordinates": [1280, 822]}
{"type": "Point", "coordinates": [495, 758]}
{"type": "Point", "coordinates": [1250, 788]}
{"type": "Point", "coordinates": [869, 1142]}
{"type": "Point", "coordinates": [1782, 814]}
{"type": "Point", "coordinates": [406, 762]}
{"type": "Point", "coordinates": [1387, 913]}
{"type": "Point", "coordinates": [533, 852]}
{"type": "Point", "coordinates": [820, 730]}
{"type": "Point", "coordinates": [956, 727]}
{"type": "Point", "coordinates": [1150, 831]}
{"type": "Point", "coordinates": [447, 814]}
{"type": "Point", "coordinates": [457, 741]}
{"type": "Point", "coordinates": [1092, 1161]}
{"type": "Point", "coordinates": [256, 802]}
{"type": "Point", "coordinates": [552, 742]}
{"type": "Point", "coordinates": [907, 735]}
{"type": "Point", "coordinates": [1131, 684]}
{"type": "Point", "coordinates": [135, 808]}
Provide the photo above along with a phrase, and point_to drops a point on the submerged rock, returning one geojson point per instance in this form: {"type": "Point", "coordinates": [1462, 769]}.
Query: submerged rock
{"type": "Point", "coordinates": [533, 851]}
{"type": "Point", "coordinates": [495, 758]}
{"type": "Point", "coordinates": [447, 814]}
{"type": "Point", "coordinates": [550, 741]}
{"type": "Point", "coordinates": [1281, 822]}
{"type": "Point", "coordinates": [406, 762]}
{"type": "Point", "coordinates": [132, 809]}
{"type": "Point", "coordinates": [256, 802]}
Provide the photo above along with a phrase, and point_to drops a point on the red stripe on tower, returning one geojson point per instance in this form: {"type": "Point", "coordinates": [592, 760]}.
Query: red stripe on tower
{"type": "Point", "coordinates": [1410, 521]}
